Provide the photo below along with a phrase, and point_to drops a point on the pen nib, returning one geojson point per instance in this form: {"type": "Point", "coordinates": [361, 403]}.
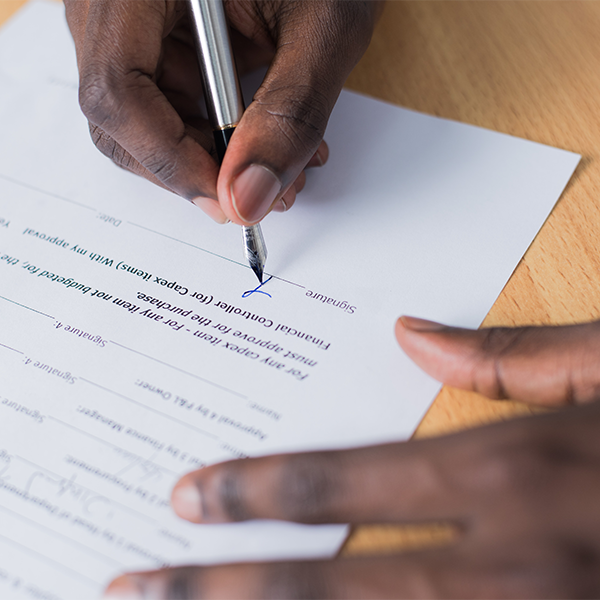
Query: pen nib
{"type": "Point", "coordinates": [255, 249]}
{"type": "Point", "coordinates": [258, 272]}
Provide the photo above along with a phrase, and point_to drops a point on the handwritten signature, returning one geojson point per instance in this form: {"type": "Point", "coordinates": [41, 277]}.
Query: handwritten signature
{"type": "Point", "coordinates": [257, 289]}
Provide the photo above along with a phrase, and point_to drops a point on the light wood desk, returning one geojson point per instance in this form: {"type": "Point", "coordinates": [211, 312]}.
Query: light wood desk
{"type": "Point", "coordinates": [526, 68]}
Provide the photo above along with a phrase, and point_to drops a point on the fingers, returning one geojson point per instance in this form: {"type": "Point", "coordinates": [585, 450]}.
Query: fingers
{"type": "Point", "coordinates": [446, 573]}
{"type": "Point", "coordinates": [419, 481]}
{"type": "Point", "coordinates": [318, 43]}
{"type": "Point", "coordinates": [426, 576]}
{"type": "Point", "coordinates": [549, 366]}
{"type": "Point", "coordinates": [465, 478]}
{"type": "Point", "coordinates": [118, 54]}
{"type": "Point", "coordinates": [150, 131]}
{"type": "Point", "coordinates": [284, 580]}
{"type": "Point", "coordinates": [287, 200]}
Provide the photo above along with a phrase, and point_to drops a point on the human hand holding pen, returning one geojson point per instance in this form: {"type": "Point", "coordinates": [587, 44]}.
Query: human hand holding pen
{"type": "Point", "coordinates": [140, 90]}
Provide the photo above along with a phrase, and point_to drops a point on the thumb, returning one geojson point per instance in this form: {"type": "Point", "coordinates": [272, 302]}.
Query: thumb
{"type": "Point", "coordinates": [318, 43]}
{"type": "Point", "coordinates": [550, 366]}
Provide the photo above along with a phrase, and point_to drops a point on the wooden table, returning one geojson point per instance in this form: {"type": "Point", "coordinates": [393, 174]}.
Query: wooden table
{"type": "Point", "coordinates": [529, 69]}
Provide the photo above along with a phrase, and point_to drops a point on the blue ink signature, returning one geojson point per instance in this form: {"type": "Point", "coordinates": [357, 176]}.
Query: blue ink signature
{"type": "Point", "coordinates": [257, 289]}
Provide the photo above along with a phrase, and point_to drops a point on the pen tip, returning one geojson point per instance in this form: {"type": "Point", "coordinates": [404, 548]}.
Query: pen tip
{"type": "Point", "coordinates": [258, 272]}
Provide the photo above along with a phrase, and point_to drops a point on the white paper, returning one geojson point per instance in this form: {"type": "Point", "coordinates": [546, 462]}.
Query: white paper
{"type": "Point", "coordinates": [107, 397]}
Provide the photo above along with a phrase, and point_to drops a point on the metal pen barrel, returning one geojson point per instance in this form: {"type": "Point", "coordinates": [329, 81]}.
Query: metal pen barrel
{"type": "Point", "coordinates": [224, 102]}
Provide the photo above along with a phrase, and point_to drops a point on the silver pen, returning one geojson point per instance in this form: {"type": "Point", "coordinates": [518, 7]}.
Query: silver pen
{"type": "Point", "coordinates": [224, 100]}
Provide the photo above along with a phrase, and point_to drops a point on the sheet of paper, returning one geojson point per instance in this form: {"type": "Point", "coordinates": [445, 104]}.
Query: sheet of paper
{"type": "Point", "coordinates": [131, 352]}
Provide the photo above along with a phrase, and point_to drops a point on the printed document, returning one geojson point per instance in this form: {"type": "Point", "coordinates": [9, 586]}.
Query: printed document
{"type": "Point", "coordinates": [136, 344]}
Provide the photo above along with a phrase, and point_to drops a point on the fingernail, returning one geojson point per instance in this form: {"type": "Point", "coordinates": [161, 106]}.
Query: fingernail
{"type": "Point", "coordinates": [123, 588]}
{"type": "Point", "coordinates": [286, 201]}
{"type": "Point", "coordinates": [315, 161]}
{"type": "Point", "coordinates": [416, 324]}
{"type": "Point", "coordinates": [253, 191]}
{"type": "Point", "coordinates": [211, 208]}
{"type": "Point", "coordinates": [186, 500]}
{"type": "Point", "coordinates": [280, 206]}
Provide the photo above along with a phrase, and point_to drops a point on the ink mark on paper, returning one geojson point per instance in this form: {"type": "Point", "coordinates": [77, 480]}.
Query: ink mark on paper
{"type": "Point", "coordinates": [257, 289]}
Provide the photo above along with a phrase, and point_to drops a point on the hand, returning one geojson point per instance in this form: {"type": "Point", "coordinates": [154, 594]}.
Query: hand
{"type": "Point", "coordinates": [140, 90]}
{"type": "Point", "coordinates": [524, 493]}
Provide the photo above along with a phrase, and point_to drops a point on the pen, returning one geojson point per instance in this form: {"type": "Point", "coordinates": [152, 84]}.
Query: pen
{"type": "Point", "coordinates": [224, 101]}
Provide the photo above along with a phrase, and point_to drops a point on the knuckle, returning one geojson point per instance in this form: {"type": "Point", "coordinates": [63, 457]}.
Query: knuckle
{"type": "Point", "coordinates": [575, 555]}
{"type": "Point", "coordinates": [164, 166]}
{"type": "Point", "coordinates": [230, 493]}
{"type": "Point", "coordinates": [101, 100]}
{"type": "Point", "coordinates": [98, 97]}
{"type": "Point", "coordinates": [524, 474]}
{"type": "Point", "coordinates": [514, 467]}
{"type": "Point", "coordinates": [337, 28]}
{"type": "Point", "coordinates": [309, 486]}
{"type": "Point", "coordinates": [300, 114]}
{"type": "Point", "coordinates": [111, 149]}
{"type": "Point", "coordinates": [546, 567]}
{"type": "Point", "coordinates": [499, 341]}
{"type": "Point", "coordinates": [499, 344]}
{"type": "Point", "coordinates": [530, 465]}
{"type": "Point", "coordinates": [182, 583]}
{"type": "Point", "coordinates": [355, 21]}
{"type": "Point", "coordinates": [562, 569]}
{"type": "Point", "coordinates": [301, 580]}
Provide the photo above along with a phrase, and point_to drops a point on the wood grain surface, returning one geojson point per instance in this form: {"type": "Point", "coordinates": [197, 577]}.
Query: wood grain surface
{"type": "Point", "coordinates": [529, 69]}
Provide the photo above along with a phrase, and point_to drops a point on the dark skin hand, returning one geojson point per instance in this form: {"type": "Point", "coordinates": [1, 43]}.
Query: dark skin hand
{"type": "Point", "coordinates": [140, 91]}
{"type": "Point", "coordinates": [524, 493]}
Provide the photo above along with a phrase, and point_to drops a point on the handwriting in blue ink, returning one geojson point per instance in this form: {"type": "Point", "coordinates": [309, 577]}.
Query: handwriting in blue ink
{"type": "Point", "coordinates": [257, 289]}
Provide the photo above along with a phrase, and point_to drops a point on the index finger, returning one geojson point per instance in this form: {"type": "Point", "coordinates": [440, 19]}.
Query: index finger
{"type": "Point", "coordinates": [451, 478]}
{"type": "Point", "coordinates": [117, 63]}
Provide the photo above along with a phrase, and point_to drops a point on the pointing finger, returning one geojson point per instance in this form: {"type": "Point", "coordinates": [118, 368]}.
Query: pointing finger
{"type": "Point", "coordinates": [436, 479]}
{"type": "Point", "coordinates": [456, 478]}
